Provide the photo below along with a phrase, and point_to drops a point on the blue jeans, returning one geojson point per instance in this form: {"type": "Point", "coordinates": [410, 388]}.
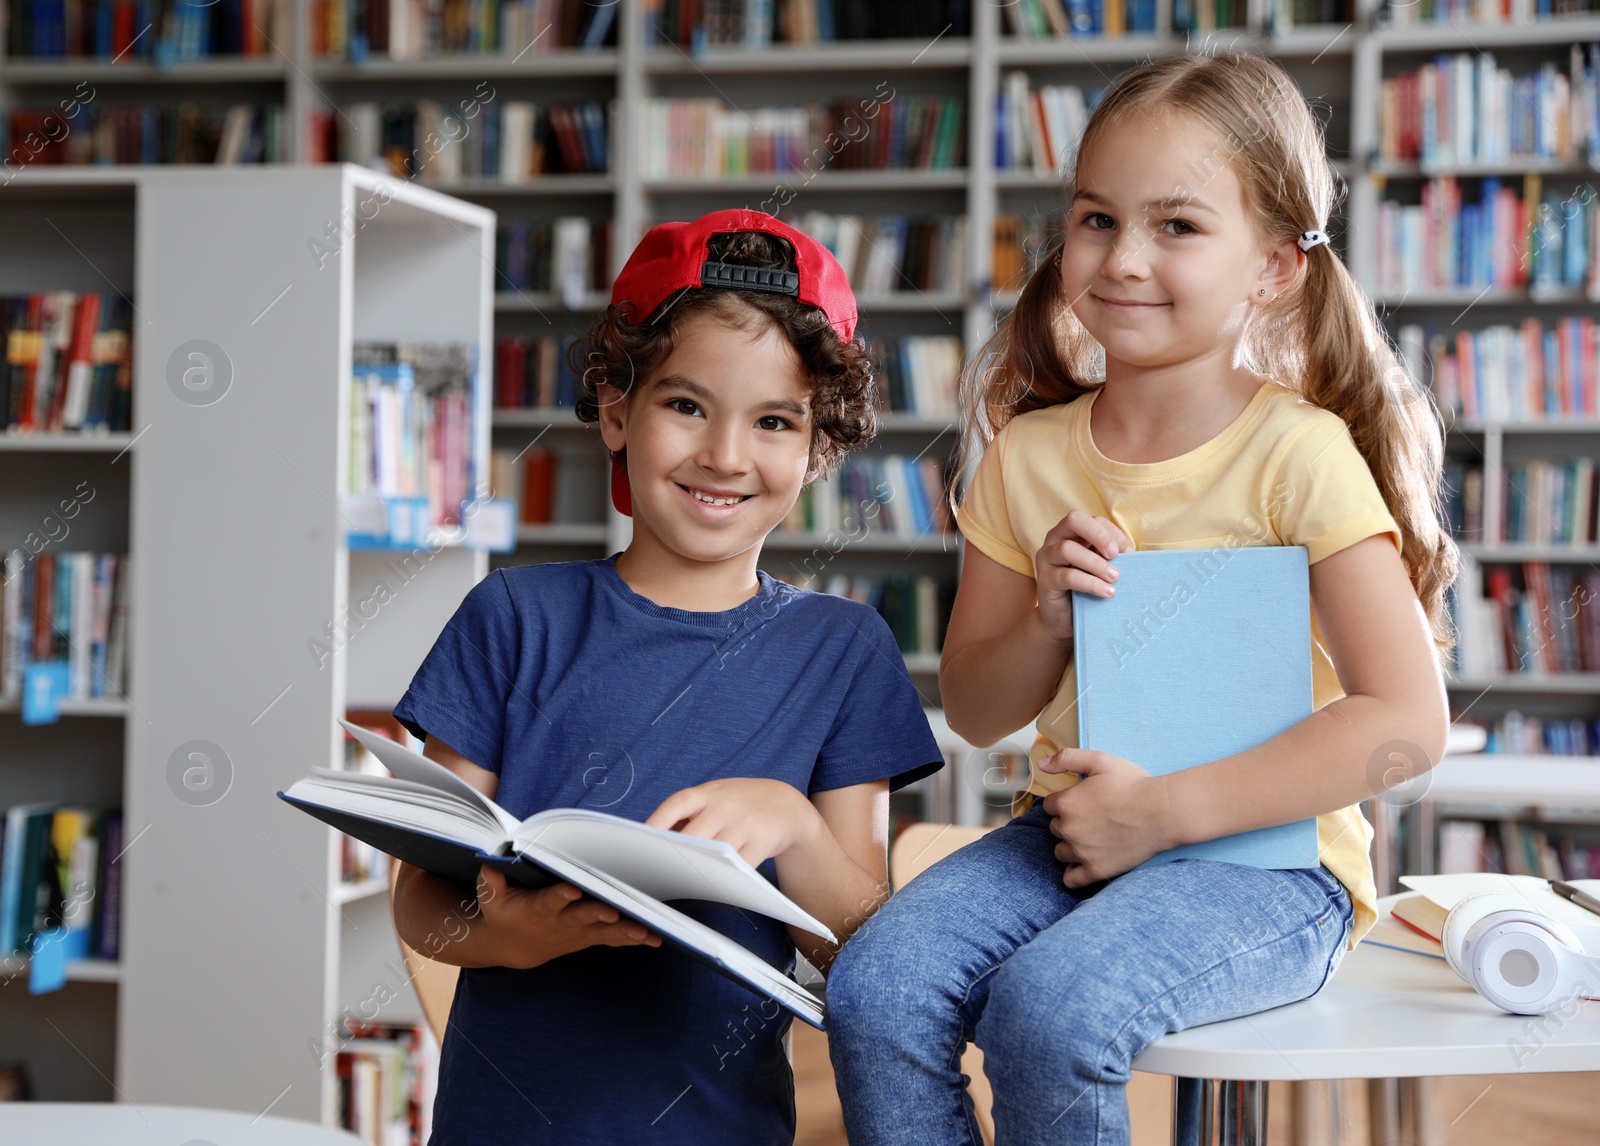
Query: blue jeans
{"type": "Point", "coordinates": [1061, 989]}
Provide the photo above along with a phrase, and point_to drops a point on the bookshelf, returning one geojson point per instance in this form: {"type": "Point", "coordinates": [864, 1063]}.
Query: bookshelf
{"type": "Point", "coordinates": [233, 914]}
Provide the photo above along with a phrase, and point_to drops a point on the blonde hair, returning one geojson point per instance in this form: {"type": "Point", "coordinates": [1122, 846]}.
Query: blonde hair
{"type": "Point", "coordinates": [1321, 338]}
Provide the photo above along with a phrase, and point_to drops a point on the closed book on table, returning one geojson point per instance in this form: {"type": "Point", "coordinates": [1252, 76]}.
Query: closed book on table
{"type": "Point", "coordinates": [1201, 654]}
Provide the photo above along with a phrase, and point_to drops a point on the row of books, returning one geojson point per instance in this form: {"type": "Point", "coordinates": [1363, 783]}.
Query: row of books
{"type": "Point", "coordinates": [65, 613]}
{"type": "Point", "coordinates": [890, 253]}
{"type": "Point", "coordinates": [1528, 618]}
{"type": "Point", "coordinates": [1462, 493]}
{"type": "Point", "coordinates": [439, 143]}
{"type": "Point", "coordinates": [411, 438]}
{"type": "Point", "coordinates": [69, 362]}
{"type": "Point", "coordinates": [1517, 847]}
{"type": "Point", "coordinates": [1464, 108]}
{"type": "Point", "coordinates": [918, 373]}
{"type": "Point", "coordinates": [1038, 129]}
{"type": "Point", "coordinates": [532, 373]}
{"type": "Point", "coordinates": [386, 1077]}
{"type": "Point", "coordinates": [760, 23]}
{"type": "Point", "coordinates": [1482, 13]}
{"type": "Point", "coordinates": [414, 29]}
{"type": "Point", "coordinates": [147, 134]}
{"type": "Point", "coordinates": [552, 486]}
{"type": "Point", "coordinates": [1524, 372]}
{"type": "Point", "coordinates": [106, 29]}
{"type": "Point", "coordinates": [1043, 19]}
{"type": "Point", "coordinates": [569, 255]}
{"type": "Point", "coordinates": [1503, 239]}
{"type": "Point", "coordinates": [1542, 501]}
{"type": "Point", "coordinates": [882, 494]}
{"type": "Point", "coordinates": [1525, 735]}
{"type": "Point", "coordinates": [709, 139]}
{"type": "Point", "coordinates": [58, 873]}
{"type": "Point", "coordinates": [1020, 241]}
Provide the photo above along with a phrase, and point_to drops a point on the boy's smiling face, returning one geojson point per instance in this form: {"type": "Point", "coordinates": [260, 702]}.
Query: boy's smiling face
{"type": "Point", "coordinates": [718, 440]}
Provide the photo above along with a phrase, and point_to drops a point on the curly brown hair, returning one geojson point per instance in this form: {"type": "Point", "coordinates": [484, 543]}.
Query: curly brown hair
{"type": "Point", "coordinates": [617, 353]}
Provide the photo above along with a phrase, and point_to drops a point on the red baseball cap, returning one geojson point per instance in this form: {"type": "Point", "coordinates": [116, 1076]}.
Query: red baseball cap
{"type": "Point", "coordinates": [675, 256]}
{"type": "Point", "coordinates": [672, 256]}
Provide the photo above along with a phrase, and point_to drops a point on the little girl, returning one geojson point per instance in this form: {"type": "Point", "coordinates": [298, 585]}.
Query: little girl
{"type": "Point", "coordinates": [1246, 383]}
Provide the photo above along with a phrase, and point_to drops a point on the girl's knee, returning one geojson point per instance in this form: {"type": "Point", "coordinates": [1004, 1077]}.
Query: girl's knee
{"type": "Point", "coordinates": [1054, 1023]}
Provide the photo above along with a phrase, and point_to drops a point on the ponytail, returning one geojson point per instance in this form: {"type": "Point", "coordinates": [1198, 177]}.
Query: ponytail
{"type": "Point", "coordinates": [1039, 356]}
{"type": "Point", "coordinates": [1344, 362]}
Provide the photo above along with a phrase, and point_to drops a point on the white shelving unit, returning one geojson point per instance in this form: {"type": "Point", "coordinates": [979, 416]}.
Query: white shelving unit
{"type": "Point", "coordinates": [233, 917]}
{"type": "Point", "coordinates": [246, 565]}
{"type": "Point", "coordinates": [67, 1037]}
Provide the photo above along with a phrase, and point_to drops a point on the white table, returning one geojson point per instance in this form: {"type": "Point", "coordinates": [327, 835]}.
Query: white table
{"type": "Point", "coordinates": [1386, 1014]}
{"type": "Point", "coordinates": [122, 1124]}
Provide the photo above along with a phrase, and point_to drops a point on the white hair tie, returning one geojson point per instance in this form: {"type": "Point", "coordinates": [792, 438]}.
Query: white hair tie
{"type": "Point", "coordinates": [1312, 239]}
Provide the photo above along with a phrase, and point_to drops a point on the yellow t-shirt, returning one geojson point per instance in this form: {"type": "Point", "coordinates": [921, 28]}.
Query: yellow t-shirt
{"type": "Point", "coordinates": [1283, 473]}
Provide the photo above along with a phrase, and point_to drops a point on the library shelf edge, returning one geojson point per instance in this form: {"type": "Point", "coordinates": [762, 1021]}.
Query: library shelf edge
{"type": "Point", "coordinates": [255, 629]}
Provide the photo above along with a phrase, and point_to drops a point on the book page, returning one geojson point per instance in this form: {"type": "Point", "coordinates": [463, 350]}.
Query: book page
{"type": "Point", "coordinates": [673, 925]}
{"type": "Point", "coordinates": [1448, 890]}
{"type": "Point", "coordinates": [413, 766]}
{"type": "Point", "coordinates": [663, 865]}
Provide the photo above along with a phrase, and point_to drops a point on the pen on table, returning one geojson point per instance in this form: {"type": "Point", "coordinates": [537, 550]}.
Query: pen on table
{"type": "Point", "coordinates": [1582, 898]}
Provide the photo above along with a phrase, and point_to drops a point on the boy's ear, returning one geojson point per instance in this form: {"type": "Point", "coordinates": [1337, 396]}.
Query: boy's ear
{"type": "Point", "coordinates": [613, 411]}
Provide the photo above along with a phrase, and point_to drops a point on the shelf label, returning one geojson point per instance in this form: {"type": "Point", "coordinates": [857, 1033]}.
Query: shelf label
{"type": "Point", "coordinates": [492, 525]}
{"type": "Point", "coordinates": [43, 687]}
{"type": "Point", "coordinates": [48, 972]}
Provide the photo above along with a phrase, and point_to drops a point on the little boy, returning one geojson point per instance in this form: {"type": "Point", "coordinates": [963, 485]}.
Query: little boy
{"type": "Point", "coordinates": [672, 683]}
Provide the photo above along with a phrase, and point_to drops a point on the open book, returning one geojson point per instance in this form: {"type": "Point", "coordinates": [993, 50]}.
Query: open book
{"type": "Point", "coordinates": [429, 817]}
{"type": "Point", "coordinates": [1418, 917]}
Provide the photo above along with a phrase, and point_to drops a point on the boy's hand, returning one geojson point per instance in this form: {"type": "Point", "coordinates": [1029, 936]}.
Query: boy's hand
{"type": "Point", "coordinates": [531, 926]}
{"type": "Point", "coordinates": [761, 818]}
{"type": "Point", "coordinates": [1076, 555]}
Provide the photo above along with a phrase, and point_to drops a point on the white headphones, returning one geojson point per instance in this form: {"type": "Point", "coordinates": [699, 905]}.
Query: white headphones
{"type": "Point", "coordinates": [1519, 959]}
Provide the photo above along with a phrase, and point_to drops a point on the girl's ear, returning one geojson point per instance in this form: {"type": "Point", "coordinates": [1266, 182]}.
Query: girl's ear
{"type": "Point", "coordinates": [613, 411]}
{"type": "Point", "coordinates": [1279, 273]}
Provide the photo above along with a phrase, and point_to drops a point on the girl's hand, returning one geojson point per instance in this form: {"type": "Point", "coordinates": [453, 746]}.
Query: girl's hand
{"type": "Point", "coordinates": [530, 926]}
{"type": "Point", "coordinates": [1112, 820]}
{"type": "Point", "coordinates": [761, 818]}
{"type": "Point", "coordinates": [1076, 555]}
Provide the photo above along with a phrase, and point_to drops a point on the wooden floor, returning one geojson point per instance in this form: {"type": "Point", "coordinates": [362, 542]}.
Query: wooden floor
{"type": "Point", "coordinates": [1547, 1109]}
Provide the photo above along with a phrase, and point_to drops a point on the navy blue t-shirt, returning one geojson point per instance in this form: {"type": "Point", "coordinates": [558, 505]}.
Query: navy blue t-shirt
{"type": "Point", "coordinates": [579, 692]}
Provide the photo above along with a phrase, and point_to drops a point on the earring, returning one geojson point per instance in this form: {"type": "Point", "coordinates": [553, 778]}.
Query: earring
{"type": "Point", "coordinates": [1262, 291]}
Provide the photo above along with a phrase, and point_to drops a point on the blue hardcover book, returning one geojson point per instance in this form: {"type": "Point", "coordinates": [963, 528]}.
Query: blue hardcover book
{"type": "Point", "coordinates": [1201, 654]}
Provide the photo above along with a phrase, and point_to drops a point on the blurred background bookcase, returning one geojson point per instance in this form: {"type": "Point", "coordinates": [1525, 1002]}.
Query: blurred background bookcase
{"type": "Point", "coordinates": [228, 495]}
{"type": "Point", "coordinates": [281, 87]}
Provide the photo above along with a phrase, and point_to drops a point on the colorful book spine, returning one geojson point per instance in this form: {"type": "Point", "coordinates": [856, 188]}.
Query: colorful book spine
{"type": "Point", "coordinates": [1490, 237]}
{"type": "Point", "coordinates": [709, 139]}
{"type": "Point", "coordinates": [411, 464]}
{"type": "Point", "coordinates": [106, 133]}
{"type": "Point", "coordinates": [1527, 372]}
{"type": "Point", "coordinates": [1465, 109]}
{"type": "Point", "coordinates": [882, 495]}
{"type": "Point", "coordinates": [60, 607]}
{"type": "Point", "coordinates": [68, 362]}
{"type": "Point", "coordinates": [1534, 617]}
